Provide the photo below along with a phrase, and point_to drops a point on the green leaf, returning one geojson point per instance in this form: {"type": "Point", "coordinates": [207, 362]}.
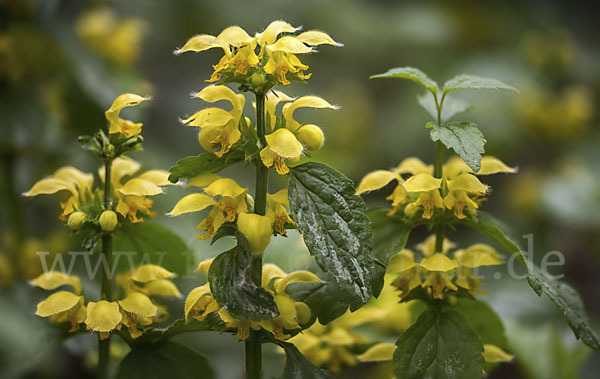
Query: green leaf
{"type": "Point", "coordinates": [390, 233]}
{"type": "Point", "coordinates": [564, 296]}
{"type": "Point", "coordinates": [450, 107]}
{"type": "Point", "coordinates": [439, 345]}
{"type": "Point", "coordinates": [297, 366]}
{"type": "Point", "coordinates": [410, 73]}
{"type": "Point", "coordinates": [497, 231]}
{"type": "Point", "coordinates": [206, 163]}
{"type": "Point", "coordinates": [327, 301]}
{"type": "Point", "coordinates": [164, 360]}
{"type": "Point", "coordinates": [211, 323]}
{"type": "Point", "coordinates": [484, 320]}
{"type": "Point", "coordinates": [475, 82]}
{"type": "Point", "coordinates": [334, 226]}
{"type": "Point", "coordinates": [568, 302]}
{"type": "Point", "coordinates": [464, 138]}
{"type": "Point", "coordinates": [150, 243]}
{"type": "Point", "coordinates": [232, 286]}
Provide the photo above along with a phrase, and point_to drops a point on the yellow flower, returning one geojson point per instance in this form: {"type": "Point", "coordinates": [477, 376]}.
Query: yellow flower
{"type": "Point", "coordinates": [63, 306]}
{"type": "Point", "coordinates": [427, 247]}
{"type": "Point", "coordinates": [474, 256]}
{"type": "Point", "coordinates": [272, 99]}
{"type": "Point", "coordinates": [257, 229]}
{"type": "Point", "coordinates": [464, 189]}
{"type": "Point", "coordinates": [132, 194]}
{"type": "Point", "coordinates": [277, 212]}
{"type": "Point", "coordinates": [108, 221]}
{"type": "Point", "coordinates": [137, 307]}
{"type": "Point", "coordinates": [403, 264]}
{"type": "Point", "coordinates": [77, 183]}
{"type": "Point", "coordinates": [103, 317]}
{"type": "Point", "coordinates": [378, 353]}
{"type": "Point", "coordinates": [200, 303]}
{"type": "Point", "coordinates": [226, 199]}
{"type": "Point", "coordinates": [281, 145]}
{"type": "Point", "coordinates": [438, 265]}
{"type": "Point", "coordinates": [291, 313]}
{"type": "Point", "coordinates": [119, 125]}
{"type": "Point", "coordinates": [429, 197]}
{"type": "Point", "coordinates": [218, 128]}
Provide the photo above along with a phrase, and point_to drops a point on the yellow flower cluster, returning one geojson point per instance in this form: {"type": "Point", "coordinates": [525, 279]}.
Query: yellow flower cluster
{"type": "Point", "coordinates": [200, 303]}
{"type": "Point", "coordinates": [271, 54]}
{"type": "Point", "coordinates": [117, 40]}
{"type": "Point", "coordinates": [439, 271]}
{"type": "Point", "coordinates": [135, 308]}
{"type": "Point", "coordinates": [286, 139]}
{"type": "Point", "coordinates": [228, 201]}
{"type": "Point", "coordinates": [78, 187]}
{"type": "Point", "coordinates": [459, 189]}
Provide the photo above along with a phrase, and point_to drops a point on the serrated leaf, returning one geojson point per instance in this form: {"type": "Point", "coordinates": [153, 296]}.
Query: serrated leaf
{"type": "Point", "coordinates": [439, 345]}
{"type": "Point", "coordinates": [568, 302]}
{"type": "Point", "coordinates": [410, 73]}
{"type": "Point", "coordinates": [564, 296]}
{"type": "Point", "coordinates": [390, 234]}
{"type": "Point", "coordinates": [191, 167]}
{"type": "Point", "coordinates": [334, 226]}
{"type": "Point", "coordinates": [464, 138]}
{"type": "Point", "coordinates": [150, 243]}
{"type": "Point", "coordinates": [232, 286]}
{"type": "Point", "coordinates": [297, 366]}
{"type": "Point", "coordinates": [451, 106]}
{"type": "Point", "coordinates": [475, 82]}
{"type": "Point", "coordinates": [164, 360]}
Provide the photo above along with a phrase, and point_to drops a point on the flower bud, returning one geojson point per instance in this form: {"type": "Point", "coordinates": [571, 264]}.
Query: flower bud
{"type": "Point", "coordinates": [258, 80]}
{"type": "Point", "coordinates": [75, 221]}
{"type": "Point", "coordinates": [108, 221]}
{"type": "Point", "coordinates": [311, 136]}
{"type": "Point", "coordinates": [257, 229]}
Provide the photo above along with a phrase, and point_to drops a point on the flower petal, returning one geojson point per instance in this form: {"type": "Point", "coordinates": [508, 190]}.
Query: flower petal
{"type": "Point", "coordinates": [303, 102]}
{"type": "Point", "coordinates": [149, 272]}
{"type": "Point", "coordinates": [225, 187]}
{"type": "Point", "coordinates": [422, 183]}
{"type": "Point", "coordinates": [378, 353]}
{"type": "Point", "coordinates": [413, 166]}
{"type": "Point", "coordinates": [493, 354]}
{"type": "Point", "coordinates": [161, 287]}
{"type": "Point", "coordinates": [122, 101]}
{"type": "Point", "coordinates": [57, 303]}
{"type": "Point", "coordinates": [468, 183]}
{"type": "Point", "coordinates": [103, 316]}
{"type": "Point", "coordinates": [156, 177]}
{"type": "Point", "coordinates": [209, 117]}
{"type": "Point", "coordinates": [438, 262]}
{"type": "Point", "coordinates": [491, 165]}
{"type": "Point", "coordinates": [289, 44]}
{"type": "Point", "coordinates": [49, 186]}
{"type": "Point", "coordinates": [140, 187]}
{"type": "Point", "coordinates": [139, 304]}
{"type": "Point", "coordinates": [402, 261]}
{"type": "Point", "coordinates": [257, 229]}
{"type": "Point", "coordinates": [275, 28]}
{"type": "Point", "coordinates": [300, 276]}
{"type": "Point", "coordinates": [197, 43]}
{"type": "Point", "coordinates": [316, 37]}
{"type": "Point", "coordinates": [202, 180]}
{"type": "Point", "coordinates": [285, 144]}
{"type": "Point", "coordinates": [54, 279]}
{"type": "Point", "coordinates": [376, 180]}
{"type": "Point", "coordinates": [192, 203]}
{"type": "Point", "coordinates": [234, 36]}
{"type": "Point", "coordinates": [121, 167]}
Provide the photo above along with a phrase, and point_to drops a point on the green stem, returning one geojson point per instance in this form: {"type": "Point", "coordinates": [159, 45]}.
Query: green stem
{"type": "Point", "coordinates": [106, 284]}
{"type": "Point", "coordinates": [253, 344]}
{"type": "Point", "coordinates": [439, 173]}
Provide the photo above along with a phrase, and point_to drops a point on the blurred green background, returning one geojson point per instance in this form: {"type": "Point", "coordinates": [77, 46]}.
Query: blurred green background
{"type": "Point", "coordinates": [63, 62]}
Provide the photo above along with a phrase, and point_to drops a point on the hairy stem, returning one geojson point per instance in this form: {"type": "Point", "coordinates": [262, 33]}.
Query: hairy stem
{"type": "Point", "coordinates": [106, 285]}
{"type": "Point", "coordinates": [253, 344]}
{"type": "Point", "coordinates": [439, 173]}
